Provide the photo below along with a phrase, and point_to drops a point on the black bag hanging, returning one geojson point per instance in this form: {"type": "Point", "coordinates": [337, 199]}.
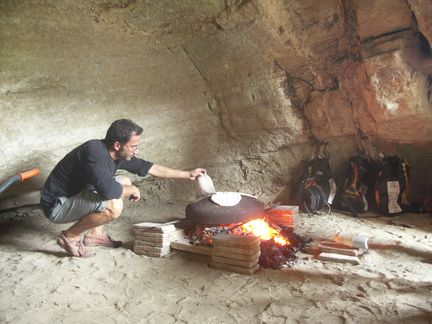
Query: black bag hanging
{"type": "Point", "coordinates": [358, 185]}
{"type": "Point", "coordinates": [317, 188]}
{"type": "Point", "coordinates": [311, 196]}
{"type": "Point", "coordinates": [391, 185]}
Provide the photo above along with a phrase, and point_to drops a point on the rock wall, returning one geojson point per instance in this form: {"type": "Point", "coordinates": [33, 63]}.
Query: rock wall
{"type": "Point", "coordinates": [247, 89]}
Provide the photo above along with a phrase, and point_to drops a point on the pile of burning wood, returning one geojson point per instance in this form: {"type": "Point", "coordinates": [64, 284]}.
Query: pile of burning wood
{"type": "Point", "coordinates": [279, 244]}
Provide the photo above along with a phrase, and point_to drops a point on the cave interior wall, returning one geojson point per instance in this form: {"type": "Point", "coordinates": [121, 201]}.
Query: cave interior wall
{"type": "Point", "coordinates": [247, 89]}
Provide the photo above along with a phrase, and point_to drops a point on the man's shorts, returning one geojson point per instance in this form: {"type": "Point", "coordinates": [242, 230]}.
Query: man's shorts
{"type": "Point", "coordinates": [71, 209]}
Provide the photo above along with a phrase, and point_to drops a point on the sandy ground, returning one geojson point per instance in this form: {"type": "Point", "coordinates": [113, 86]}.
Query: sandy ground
{"type": "Point", "coordinates": [41, 284]}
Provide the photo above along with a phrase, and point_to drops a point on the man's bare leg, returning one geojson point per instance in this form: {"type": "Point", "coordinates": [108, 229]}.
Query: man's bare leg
{"type": "Point", "coordinates": [95, 221]}
{"type": "Point", "coordinates": [98, 230]}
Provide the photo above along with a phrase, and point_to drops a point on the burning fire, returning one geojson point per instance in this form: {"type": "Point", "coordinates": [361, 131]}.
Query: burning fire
{"type": "Point", "coordinates": [262, 229]}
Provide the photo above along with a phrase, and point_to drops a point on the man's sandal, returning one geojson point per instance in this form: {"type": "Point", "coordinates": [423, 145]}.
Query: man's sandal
{"type": "Point", "coordinates": [104, 240]}
{"type": "Point", "coordinates": [73, 247]}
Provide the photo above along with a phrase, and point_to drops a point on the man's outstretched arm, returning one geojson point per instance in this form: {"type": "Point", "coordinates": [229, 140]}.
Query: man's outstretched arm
{"type": "Point", "coordinates": [161, 171]}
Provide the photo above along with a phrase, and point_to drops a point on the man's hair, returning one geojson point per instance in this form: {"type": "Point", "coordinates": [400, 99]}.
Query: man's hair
{"type": "Point", "coordinates": [121, 131]}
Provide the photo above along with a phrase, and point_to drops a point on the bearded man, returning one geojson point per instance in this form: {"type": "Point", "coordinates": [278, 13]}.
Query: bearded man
{"type": "Point", "coordinates": [83, 188]}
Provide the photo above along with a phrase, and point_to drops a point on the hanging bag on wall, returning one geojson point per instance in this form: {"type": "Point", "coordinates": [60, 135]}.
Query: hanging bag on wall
{"type": "Point", "coordinates": [358, 185]}
{"type": "Point", "coordinates": [318, 187]}
{"type": "Point", "coordinates": [391, 185]}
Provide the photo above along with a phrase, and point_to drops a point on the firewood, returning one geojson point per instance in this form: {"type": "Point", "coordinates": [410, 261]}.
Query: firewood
{"type": "Point", "coordinates": [184, 245]}
{"type": "Point", "coordinates": [236, 256]}
{"type": "Point", "coordinates": [236, 250]}
{"type": "Point", "coordinates": [238, 240]}
{"type": "Point", "coordinates": [335, 245]}
{"type": "Point", "coordinates": [312, 249]}
{"type": "Point", "coordinates": [352, 252]}
{"type": "Point", "coordinates": [277, 218]}
{"type": "Point", "coordinates": [338, 258]}
{"type": "Point", "coordinates": [281, 222]}
{"type": "Point", "coordinates": [248, 244]}
{"type": "Point", "coordinates": [253, 246]}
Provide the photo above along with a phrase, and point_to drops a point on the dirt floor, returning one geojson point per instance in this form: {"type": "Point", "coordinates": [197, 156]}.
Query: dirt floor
{"type": "Point", "coordinates": [41, 284]}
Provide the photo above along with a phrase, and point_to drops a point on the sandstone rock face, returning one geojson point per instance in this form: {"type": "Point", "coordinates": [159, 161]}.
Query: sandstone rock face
{"type": "Point", "coordinates": [402, 106]}
{"type": "Point", "coordinates": [422, 10]}
{"type": "Point", "coordinates": [376, 19]}
{"type": "Point", "coordinates": [247, 89]}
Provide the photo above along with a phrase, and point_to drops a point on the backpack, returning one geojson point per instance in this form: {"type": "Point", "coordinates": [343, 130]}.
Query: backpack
{"type": "Point", "coordinates": [391, 185]}
{"type": "Point", "coordinates": [318, 187]}
{"type": "Point", "coordinates": [358, 186]}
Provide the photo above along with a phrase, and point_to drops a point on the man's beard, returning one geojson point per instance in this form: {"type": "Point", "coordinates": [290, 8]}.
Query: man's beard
{"type": "Point", "coordinates": [121, 156]}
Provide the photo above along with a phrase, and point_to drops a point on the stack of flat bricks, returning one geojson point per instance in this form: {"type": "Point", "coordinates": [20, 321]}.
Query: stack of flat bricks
{"type": "Point", "coordinates": [154, 239]}
{"type": "Point", "coordinates": [282, 215]}
{"type": "Point", "coordinates": [235, 253]}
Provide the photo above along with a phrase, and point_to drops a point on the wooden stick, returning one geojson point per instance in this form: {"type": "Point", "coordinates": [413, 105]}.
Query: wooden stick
{"type": "Point", "coordinates": [329, 249]}
{"type": "Point", "coordinates": [184, 245]}
{"type": "Point", "coordinates": [338, 258]}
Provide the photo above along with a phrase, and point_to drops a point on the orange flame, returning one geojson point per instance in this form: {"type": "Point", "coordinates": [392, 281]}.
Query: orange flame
{"type": "Point", "coordinates": [262, 229]}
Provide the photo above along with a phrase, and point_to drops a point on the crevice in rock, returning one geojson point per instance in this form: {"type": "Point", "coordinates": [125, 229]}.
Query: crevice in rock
{"type": "Point", "coordinates": [218, 112]}
{"type": "Point", "coordinates": [425, 47]}
{"type": "Point", "coordinates": [109, 6]}
{"type": "Point", "coordinates": [235, 14]}
{"type": "Point", "coordinates": [377, 52]}
{"type": "Point", "coordinates": [327, 89]}
{"type": "Point", "coordinates": [397, 33]}
{"type": "Point", "coordinates": [290, 93]}
{"type": "Point", "coordinates": [232, 5]}
{"type": "Point", "coordinates": [216, 24]}
{"type": "Point", "coordinates": [117, 4]}
{"type": "Point", "coordinates": [224, 127]}
{"type": "Point", "coordinates": [354, 65]}
{"type": "Point", "coordinates": [350, 27]}
{"type": "Point", "coordinates": [425, 41]}
{"type": "Point", "coordinates": [289, 88]}
{"type": "Point", "coordinates": [197, 68]}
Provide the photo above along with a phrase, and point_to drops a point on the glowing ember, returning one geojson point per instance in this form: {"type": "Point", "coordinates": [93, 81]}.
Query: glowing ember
{"type": "Point", "coordinates": [262, 229]}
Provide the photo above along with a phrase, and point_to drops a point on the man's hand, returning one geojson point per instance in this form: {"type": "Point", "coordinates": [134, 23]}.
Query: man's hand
{"type": "Point", "coordinates": [131, 192]}
{"type": "Point", "coordinates": [136, 195]}
{"type": "Point", "coordinates": [193, 174]}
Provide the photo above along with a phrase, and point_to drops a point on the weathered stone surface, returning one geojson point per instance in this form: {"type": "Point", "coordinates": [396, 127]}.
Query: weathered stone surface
{"type": "Point", "coordinates": [330, 115]}
{"type": "Point", "coordinates": [422, 10]}
{"type": "Point", "coordinates": [378, 18]}
{"type": "Point", "coordinates": [402, 107]}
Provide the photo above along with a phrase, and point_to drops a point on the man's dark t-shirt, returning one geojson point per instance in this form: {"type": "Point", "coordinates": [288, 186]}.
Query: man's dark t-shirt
{"type": "Point", "coordinates": [89, 166]}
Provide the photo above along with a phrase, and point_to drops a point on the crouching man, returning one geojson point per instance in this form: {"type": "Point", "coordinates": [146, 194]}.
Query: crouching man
{"type": "Point", "coordinates": [83, 188]}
